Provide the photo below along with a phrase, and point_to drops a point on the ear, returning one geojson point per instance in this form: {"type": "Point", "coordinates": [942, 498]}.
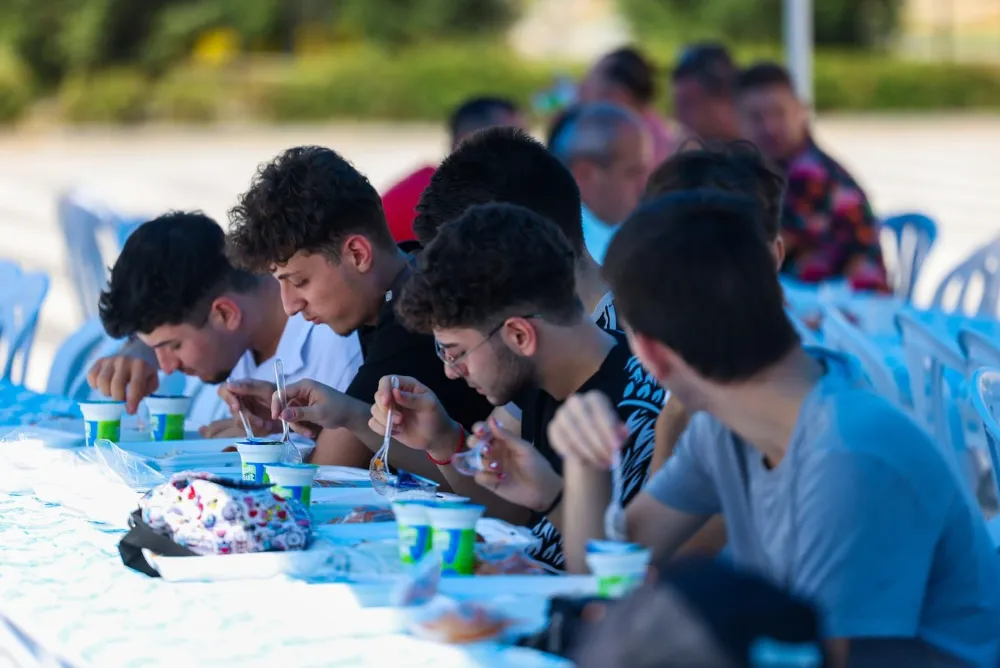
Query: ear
{"type": "Point", "coordinates": [521, 336]}
{"type": "Point", "coordinates": [357, 252]}
{"type": "Point", "coordinates": [583, 172]}
{"type": "Point", "coordinates": [778, 251]}
{"type": "Point", "coordinates": [655, 357]}
{"type": "Point", "coordinates": [225, 314]}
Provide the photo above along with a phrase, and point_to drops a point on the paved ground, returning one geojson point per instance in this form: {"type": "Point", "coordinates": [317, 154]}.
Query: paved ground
{"type": "Point", "coordinates": [943, 166]}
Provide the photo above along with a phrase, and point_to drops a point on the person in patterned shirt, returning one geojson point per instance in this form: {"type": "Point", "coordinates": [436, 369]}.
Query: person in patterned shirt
{"type": "Point", "coordinates": [496, 288]}
{"type": "Point", "coordinates": [827, 223]}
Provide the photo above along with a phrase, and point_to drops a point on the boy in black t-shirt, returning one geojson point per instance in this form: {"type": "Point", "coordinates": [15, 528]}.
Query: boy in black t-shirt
{"type": "Point", "coordinates": [316, 224]}
{"type": "Point", "coordinates": [496, 288]}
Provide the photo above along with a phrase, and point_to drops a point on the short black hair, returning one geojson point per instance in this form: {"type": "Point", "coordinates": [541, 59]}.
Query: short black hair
{"type": "Point", "coordinates": [693, 271]}
{"type": "Point", "coordinates": [169, 272]}
{"type": "Point", "coordinates": [501, 164]}
{"type": "Point", "coordinates": [478, 113]}
{"type": "Point", "coordinates": [309, 199]}
{"type": "Point", "coordinates": [737, 167]}
{"type": "Point", "coordinates": [631, 70]}
{"type": "Point", "coordinates": [591, 133]}
{"type": "Point", "coordinates": [710, 64]}
{"type": "Point", "coordinates": [493, 262]}
{"type": "Point", "coordinates": [762, 75]}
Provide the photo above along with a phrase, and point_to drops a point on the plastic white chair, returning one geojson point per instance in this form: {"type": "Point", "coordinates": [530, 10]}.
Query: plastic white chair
{"type": "Point", "coordinates": [80, 225]}
{"type": "Point", "coordinates": [979, 349]}
{"type": "Point", "coordinates": [986, 399]}
{"type": "Point", "coordinates": [840, 334]}
{"type": "Point", "coordinates": [807, 336]}
{"type": "Point", "coordinates": [20, 303]}
{"type": "Point", "coordinates": [972, 287]}
{"type": "Point", "coordinates": [910, 237]}
{"type": "Point", "coordinates": [70, 365]}
{"type": "Point", "coordinates": [943, 407]}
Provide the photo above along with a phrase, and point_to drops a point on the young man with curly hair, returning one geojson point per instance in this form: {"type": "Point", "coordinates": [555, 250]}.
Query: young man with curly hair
{"type": "Point", "coordinates": [316, 224]}
{"type": "Point", "coordinates": [190, 310]}
{"type": "Point", "coordinates": [508, 321]}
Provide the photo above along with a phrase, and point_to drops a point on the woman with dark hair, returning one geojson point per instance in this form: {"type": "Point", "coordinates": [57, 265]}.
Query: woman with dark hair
{"type": "Point", "coordinates": [627, 78]}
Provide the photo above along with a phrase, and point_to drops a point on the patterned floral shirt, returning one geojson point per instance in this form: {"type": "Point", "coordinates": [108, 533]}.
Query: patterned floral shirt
{"type": "Point", "coordinates": [828, 226]}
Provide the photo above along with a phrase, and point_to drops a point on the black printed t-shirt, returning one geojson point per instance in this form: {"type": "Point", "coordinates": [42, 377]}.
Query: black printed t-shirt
{"type": "Point", "coordinates": [388, 348]}
{"type": "Point", "coordinates": [638, 398]}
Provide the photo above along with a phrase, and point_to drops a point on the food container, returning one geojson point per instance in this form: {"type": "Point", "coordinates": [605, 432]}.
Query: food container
{"type": "Point", "coordinates": [102, 419]}
{"type": "Point", "coordinates": [618, 567]}
{"type": "Point", "coordinates": [292, 480]}
{"type": "Point", "coordinates": [453, 531]}
{"type": "Point", "coordinates": [414, 530]}
{"type": "Point", "coordinates": [255, 454]}
{"type": "Point", "coordinates": [166, 416]}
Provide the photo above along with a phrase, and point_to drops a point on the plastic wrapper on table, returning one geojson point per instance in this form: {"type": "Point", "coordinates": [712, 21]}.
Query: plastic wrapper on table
{"type": "Point", "coordinates": [127, 467]}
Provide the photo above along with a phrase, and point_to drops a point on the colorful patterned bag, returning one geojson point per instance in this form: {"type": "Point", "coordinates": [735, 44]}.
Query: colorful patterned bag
{"type": "Point", "coordinates": [201, 514]}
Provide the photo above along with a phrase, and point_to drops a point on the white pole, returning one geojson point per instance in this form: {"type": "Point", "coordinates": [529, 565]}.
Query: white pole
{"type": "Point", "coordinates": [798, 22]}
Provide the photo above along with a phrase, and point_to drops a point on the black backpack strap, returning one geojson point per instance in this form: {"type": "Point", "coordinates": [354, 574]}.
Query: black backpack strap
{"type": "Point", "coordinates": [141, 536]}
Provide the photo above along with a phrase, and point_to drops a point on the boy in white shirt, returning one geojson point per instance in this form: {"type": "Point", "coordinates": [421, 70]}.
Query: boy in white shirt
{"type": "Point", "coordinates": [186, 308]}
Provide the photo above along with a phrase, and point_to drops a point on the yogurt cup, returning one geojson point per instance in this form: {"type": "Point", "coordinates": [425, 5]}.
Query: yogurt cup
{"type": "Point", "coordinates": [255, 454]}
{"type": "Point", "coordinates": [618, 572]}
{"type": "Point", "coordinates": [414, 530]}
{"type": "Point", "coordinates": [453, 534]}
{"type": "Point", "coordinates": [292, 481]}
{"type": "Point", "coordinates": [166, 416]}
{"type": "Point", "coordinates": [102, 419]}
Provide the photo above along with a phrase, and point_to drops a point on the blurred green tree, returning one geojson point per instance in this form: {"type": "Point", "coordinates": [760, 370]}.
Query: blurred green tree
{"type": "Point", "coordinates": [396, 23]}
{"type": "Point", "coordinates": [855, 23]}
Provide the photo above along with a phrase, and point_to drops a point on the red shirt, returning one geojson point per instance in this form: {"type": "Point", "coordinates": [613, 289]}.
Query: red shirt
{"type": "Point", "coordinates": [400, 203]}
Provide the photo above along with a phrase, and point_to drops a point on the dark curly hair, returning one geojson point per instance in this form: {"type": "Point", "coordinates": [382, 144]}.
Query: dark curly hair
{"type": "Point", "coordinates": [736, 167]}
{"type": "Point", "coordinates": [496, 261]}
{"type": "Point", "coordinates": [168, 273]}
{"type": "Point", "coordinates": [501, 164]}
{"type": "Point", "coordinates": [308, 199]}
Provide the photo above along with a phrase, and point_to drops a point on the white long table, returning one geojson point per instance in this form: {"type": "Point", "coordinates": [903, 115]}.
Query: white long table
{"type": "Point", "coordinates": [67, 600]}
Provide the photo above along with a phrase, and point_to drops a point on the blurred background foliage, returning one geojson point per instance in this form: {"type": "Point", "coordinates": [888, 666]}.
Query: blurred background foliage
{"type": "Point", "coordinates": [308, 60]}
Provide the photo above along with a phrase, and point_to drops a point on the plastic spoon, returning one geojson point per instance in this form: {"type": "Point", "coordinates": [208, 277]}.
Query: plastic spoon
{"type": "Point", "coordinates": [378, 468]}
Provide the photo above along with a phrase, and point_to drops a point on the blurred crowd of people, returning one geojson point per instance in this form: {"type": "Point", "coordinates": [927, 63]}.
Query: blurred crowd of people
{"type": "Point", "coordinates": [613, 136]}
{"type": "Point", "coordinates": [600, 317]}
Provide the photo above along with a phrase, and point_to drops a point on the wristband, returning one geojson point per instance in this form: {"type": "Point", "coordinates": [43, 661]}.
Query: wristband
{"type": "Point", "coordinates": [461, 443]}
{"type": "Point", "coordinates": [555, 503]}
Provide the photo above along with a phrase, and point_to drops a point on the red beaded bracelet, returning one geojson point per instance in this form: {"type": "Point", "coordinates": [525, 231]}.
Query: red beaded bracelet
{"type": "Point", "coordinates": [461, 444]}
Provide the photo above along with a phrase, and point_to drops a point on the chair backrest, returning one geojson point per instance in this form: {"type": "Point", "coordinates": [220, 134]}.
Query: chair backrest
{"type": "Point", "coordinates": [986, 399]}
{"type": "Point", "coordinates": [808, 336]}
{"type": "Point", "coordinates": [80, 226]}
{"type": "Point", "coordinates": [972, 287]}
{"type": "Point", "coordinates": [840, 334]}
{"type": "Point", "coordinates": [20, 304]}
{"type": "Point", "coordinates": [943, 407]}
{"type": "Point", "coordinates": [906, 241]}
{"type": "Point", "coordinates": [70, 365]}
{"type": "Point", "coordinates": [979, 350]}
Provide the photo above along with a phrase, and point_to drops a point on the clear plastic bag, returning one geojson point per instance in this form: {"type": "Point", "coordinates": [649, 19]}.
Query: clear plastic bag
{"type": "Point", "coordinates": [125, 466]}
{"type": "Point", "coordinates": [469, 462]}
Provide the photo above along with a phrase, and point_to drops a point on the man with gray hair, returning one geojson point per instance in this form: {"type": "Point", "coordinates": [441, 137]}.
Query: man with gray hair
{"type": "Point", "coordinates": [609, 152]}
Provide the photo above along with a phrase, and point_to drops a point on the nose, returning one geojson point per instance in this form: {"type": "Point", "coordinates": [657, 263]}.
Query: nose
{"type": "Point", "coordinates": [290, 300]}
{"type": "Point", "coordinates": [168, 361]}
{"type": "Point", "coordinates": [451, 372]}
